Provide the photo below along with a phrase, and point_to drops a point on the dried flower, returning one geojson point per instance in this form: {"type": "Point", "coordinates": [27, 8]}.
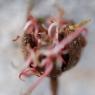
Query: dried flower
{"type": "Point", "coordinates": [52, 42]}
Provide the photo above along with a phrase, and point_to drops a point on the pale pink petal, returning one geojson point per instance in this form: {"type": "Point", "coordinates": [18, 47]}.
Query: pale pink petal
{"type": "Point", "coordinates": [67, 40]}
{"type": "Point", "coordinates": [48, 66]}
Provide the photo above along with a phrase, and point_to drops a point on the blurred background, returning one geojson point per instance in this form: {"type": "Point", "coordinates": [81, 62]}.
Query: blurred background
{"type": "Point", "coordinates": [80, 80]}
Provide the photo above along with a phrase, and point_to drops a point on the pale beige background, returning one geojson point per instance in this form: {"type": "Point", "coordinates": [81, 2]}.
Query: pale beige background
{"type": "Point", "coordinates": [77, 81]}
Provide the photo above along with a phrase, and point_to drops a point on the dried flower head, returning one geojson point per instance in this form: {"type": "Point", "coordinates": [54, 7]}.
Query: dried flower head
{"type": "Point", "coordinates": [51, 46]}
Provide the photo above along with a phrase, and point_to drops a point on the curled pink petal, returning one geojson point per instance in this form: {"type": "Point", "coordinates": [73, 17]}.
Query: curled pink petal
{"type": "Point", "coordinates": [27, 72]}
{"type": "Point", "coordinates": [31, 58]}
{"type": "Point", "coordinates": [67, 40]}
{"type": "Point", "coordinates": [50, 28]}
{"type": "Point", "coordinates": [27, 25]}
{"type": "Point", "coordinates": [48, 68]}
{"type": "Point", "coordinates": [56, 34]}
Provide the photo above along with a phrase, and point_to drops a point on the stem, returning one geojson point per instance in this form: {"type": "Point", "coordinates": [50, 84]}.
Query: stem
{"type": "Point", "coordinates": [54, 81]}
{"type": "Point", "coordinates": [54, 85]}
